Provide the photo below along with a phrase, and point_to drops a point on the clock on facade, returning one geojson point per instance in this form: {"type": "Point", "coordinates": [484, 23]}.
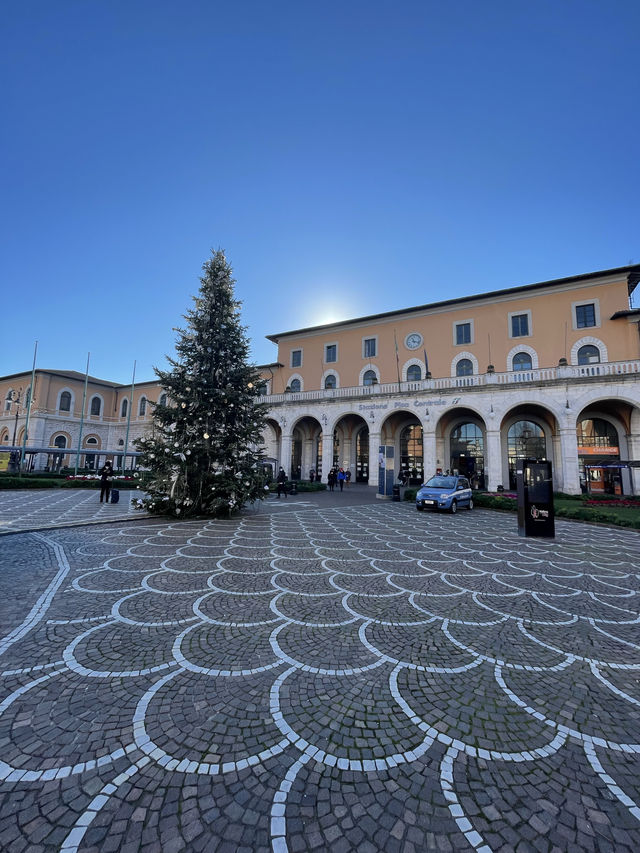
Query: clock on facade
{"type": "Point", "coordinates": [413, 340]}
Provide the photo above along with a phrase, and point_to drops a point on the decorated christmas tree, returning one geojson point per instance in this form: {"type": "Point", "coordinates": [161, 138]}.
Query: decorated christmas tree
{"type": "Point", "coordinates": [204, 453]}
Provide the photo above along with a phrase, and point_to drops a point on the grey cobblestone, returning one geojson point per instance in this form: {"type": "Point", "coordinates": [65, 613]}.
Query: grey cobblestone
{"type": "Point", "coordinates": [309, 677]}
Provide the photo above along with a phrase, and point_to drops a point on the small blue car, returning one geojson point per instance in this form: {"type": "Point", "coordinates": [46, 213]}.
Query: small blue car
{"type": "Point", "coordinates": [444, 492]}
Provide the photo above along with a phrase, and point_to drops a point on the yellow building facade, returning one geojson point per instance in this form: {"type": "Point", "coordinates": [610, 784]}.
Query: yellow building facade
{"type": "Point", "coordinates": [60, 431]}
{"type": "Point", "coordinates": [549, 370]}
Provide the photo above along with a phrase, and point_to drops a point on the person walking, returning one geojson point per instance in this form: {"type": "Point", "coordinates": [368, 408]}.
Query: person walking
{"type": "Point", "coordinates": [106, 473]}
{"type": "Point", "coordinates": [331, 480]}
{"type": "Point", "coordinates": [282, 480]}
{"type": "Point", "coordinates": [341, 478]}
{"type": "Point", "coordinates": [347, 476]}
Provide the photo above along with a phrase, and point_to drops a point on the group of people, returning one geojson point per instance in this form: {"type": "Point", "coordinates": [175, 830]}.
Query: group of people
{"type": "Point", "coordinates": [337, 477]}
{"type": "Point", "coordinates": [340, 477]}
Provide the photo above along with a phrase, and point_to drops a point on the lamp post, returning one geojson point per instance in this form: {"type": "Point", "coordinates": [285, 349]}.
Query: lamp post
{"type": "Point", "coordinates": [16, 397]}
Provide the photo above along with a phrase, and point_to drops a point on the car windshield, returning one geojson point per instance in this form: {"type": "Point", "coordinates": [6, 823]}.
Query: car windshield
{"type": "Point", "coordinates": [442, 483]}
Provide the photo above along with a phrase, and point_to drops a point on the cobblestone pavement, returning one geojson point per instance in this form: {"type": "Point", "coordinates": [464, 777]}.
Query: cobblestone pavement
{"type": "Point", "coordinates": [38, 509]}
{"type": "Point", "coordinates": [317, 678]}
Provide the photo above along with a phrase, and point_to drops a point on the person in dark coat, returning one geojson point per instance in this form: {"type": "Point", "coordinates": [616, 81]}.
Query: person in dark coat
{"type": "Point", "coordinates": [331, 480]}
{"type": "Point", "coordinates": [281, 479]}
{"type": "Point", "coordinates": [106, 473]}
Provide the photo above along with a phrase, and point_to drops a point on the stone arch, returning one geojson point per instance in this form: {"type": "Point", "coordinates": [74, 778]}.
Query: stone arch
{"type": "Point", "coordinates": [522, 348]}
{"type": "Point", "coordinates": [296, 377]}
{"type": "Point", "coordinates": [459, 357]}
{"type": "Point", "coordinates": [411, 362]}
{"type": "Point", "coordinates": [365, 369]}
{"type": "Point", "coordinates": [540, 416]}
{"type": "Point", "coordinates": [450, 456]}
{"type": "Point", "coordinates": [409, 450]}
{"type": "Point", "coordinates": [349, 449]}
{"type": "Point", "coordinates": [330, 372]}
{"type": "Point", "coordinates": [586, 341]}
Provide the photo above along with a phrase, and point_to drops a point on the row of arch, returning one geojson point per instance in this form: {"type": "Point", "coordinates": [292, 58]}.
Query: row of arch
{"type": "Point", "coordinates": [521, 358]}
{"type": "Point", "coordinates": [464, 440]}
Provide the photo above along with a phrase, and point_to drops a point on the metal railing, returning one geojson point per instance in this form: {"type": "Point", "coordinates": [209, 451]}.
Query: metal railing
{"type": "Point", "coordinates": [453, 383]}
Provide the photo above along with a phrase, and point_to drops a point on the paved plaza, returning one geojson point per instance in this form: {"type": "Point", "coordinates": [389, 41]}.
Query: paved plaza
{"type": "Point", "coordinates": [38, 509]}
{"type": "Point", "coordinates": [323, 673]}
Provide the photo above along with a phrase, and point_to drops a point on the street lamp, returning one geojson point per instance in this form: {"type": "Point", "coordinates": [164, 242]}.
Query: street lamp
{"type": "Point", "coordinates": [16, 397]}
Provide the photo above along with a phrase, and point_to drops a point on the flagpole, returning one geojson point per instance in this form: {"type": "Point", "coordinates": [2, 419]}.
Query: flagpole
{"type": "Point", "coordinates": [427, 375]}
{"type": "Point", "coordinates": [397, 359]}
{"type": "Point", "coordinates": [84, 397]}
{"type": "Point", "coordinates": [26, 424]}
{"type": "Point", "coordinates": [126, 440]}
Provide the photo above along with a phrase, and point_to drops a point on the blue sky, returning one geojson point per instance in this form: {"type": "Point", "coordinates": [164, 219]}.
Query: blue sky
{"type": "Point", "coordinates": [350, 157]}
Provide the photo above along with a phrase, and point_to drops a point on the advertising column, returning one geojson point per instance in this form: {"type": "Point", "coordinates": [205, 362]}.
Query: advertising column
{"type": "Point", "coordinates": [386, 470]}
{"type": "Point", "coordinates": [536, 515]}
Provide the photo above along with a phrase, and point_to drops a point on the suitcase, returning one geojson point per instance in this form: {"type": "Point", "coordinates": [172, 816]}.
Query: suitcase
{"type": "Point", "coordinates": [115, 496]}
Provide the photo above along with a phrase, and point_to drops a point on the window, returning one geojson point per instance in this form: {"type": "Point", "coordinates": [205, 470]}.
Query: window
{"type": "Point", "coordinates": [295, 385]}
{"type": "Point", "coordinates": [163, 400]}
{"type": "Point", "coordinates": [414, 373]}
{"type": "Point", "coordinates": [585, 316]}
{"type": "Point", "coordinates": [411, 453]}
{"type": "Point", "coordinates": [331, 352]}
{"type": "Point", "coordinates": [330, 381]}
{"type": "Point", "coordinates": [8, 401]}
{"type": "Point", "coordinates": [369, 347]}
{"type": "Point", "coordinates": [463, 333]}
{"type": "Point", "coordinates": [95, 406]}
{"type": "Point", "coordinates": [124, 408]}
{"type": "Point", "coordinates": [596, 432]}
{"type": "Point", "coordinates": [296, 358]}
{"type": "Point", "coordinates": [464, 367]}
{"type": "Point", "coordinates": [142, 407]}
{"type": "Point", "coordinates": [522, 361]}
{"type": "Point", "coordinates": [65, 401]}
{"type": "Point", "coordinates": [519, 325]}
{"type": "Point", "coordinates": [369, 377]}
{"type": "Point", "coordinates": [588, 355]}
{"type": "Point", "coordinates": [60, 441]}
{"type": "Point", "coordinates": [92, 440]}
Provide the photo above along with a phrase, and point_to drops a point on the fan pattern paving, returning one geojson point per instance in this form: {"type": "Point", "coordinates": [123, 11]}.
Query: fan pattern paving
{"type": "Point", "coordinates": [305, 679]}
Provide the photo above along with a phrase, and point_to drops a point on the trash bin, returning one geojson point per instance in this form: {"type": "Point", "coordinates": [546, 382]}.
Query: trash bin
{"type": "Point", "coordinates": [396, 493]}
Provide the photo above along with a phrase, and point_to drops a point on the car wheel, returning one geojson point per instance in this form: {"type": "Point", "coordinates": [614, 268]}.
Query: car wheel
{"type": "Point", "coordinates": [420, 508]}
{"type": "Point", "coordinates": [454, 507]}
{"type": "Point", "coordinates": [470, 503]}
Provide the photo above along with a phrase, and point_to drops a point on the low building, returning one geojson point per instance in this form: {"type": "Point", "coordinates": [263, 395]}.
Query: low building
{"type": "Point", "coordinates": [59, 433]}
{"type": "Point", "coordinates": [546, 371]}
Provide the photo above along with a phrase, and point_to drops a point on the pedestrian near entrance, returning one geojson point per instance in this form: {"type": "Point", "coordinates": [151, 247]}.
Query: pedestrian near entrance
{"type": "Point", "coordinates": [312, 474]}
{"type": "Point", "coordinates": [347, 476]}
{"type": "Point", "coordinates": [331, 480]}
{"type": "Point", "coordinates": [341, 478]}
{"type": "Point", "coordinates": [282, 480]}
{"type": "Point", "coordinates": [106, 474]}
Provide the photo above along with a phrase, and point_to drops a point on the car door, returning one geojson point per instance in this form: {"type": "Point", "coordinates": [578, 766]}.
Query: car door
{"type": "Point", "coordinates": [463, 491]}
